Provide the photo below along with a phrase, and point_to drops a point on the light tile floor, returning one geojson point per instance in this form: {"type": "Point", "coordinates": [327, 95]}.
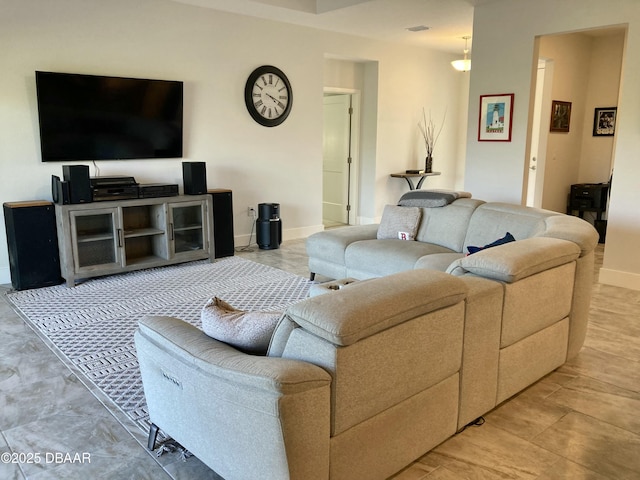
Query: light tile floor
{"type": "Point", "coordinates": [580, 422]}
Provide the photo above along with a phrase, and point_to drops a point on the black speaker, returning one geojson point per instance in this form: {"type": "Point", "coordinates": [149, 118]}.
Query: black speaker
{"type": "Point", "coordinates": [33, 244]}
{"type": "Point", "coordinates": [77, 177]}
{"type": "Point", "coordinates": [194, 178]}
{"type": "Point", "coordinates": [222, 222]}
{"type": "Point", "coordinates": [59, 190]}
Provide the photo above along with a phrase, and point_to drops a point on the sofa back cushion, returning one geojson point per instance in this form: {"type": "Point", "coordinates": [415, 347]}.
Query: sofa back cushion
{"type": "Point", "coordinates": [492, 221]}
{"type": "Point", "coordinates": [447, 226]}
{"type": "Point", "coordinates": [348, 315]}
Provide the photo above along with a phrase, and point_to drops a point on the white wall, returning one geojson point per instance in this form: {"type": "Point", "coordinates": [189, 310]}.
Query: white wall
{"type": "Point", "coordinates": [503, 48]}
{"type": "Point", "coordinates": [213, 53]}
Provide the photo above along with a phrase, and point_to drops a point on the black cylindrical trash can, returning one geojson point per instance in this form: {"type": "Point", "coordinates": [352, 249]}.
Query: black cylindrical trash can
{"type": "Point", "coordinates": [269, 226]}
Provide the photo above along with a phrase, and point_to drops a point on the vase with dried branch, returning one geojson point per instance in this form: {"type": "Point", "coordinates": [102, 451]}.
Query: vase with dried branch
{"type": "Point", "coordinates": [430, 134]}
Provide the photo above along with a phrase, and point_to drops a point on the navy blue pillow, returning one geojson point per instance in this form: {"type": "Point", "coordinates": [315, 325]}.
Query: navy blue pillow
{"type": "Point", "coordinates": [506, 239]}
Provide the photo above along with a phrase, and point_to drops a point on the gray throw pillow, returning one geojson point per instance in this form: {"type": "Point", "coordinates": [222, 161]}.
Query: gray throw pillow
{"type": "Point", "coordinates": [399, 222]}
{"type": "Point", "coordinates": [247, 331]}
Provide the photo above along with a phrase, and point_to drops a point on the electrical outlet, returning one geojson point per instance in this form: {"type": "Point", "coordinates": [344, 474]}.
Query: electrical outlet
{"type": "Point", "coordinates": [251, 212]}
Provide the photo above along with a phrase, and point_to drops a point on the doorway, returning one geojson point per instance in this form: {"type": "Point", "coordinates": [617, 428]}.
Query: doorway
{"type": "Point", "coordinates": [339, 158]}
{"type": "Point", "coordinates": [583, 69]}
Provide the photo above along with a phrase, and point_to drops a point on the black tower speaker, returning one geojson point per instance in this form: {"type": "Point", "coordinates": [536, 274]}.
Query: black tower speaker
{"type": "Point", "coordinates": [222, 222]}
{"type": "Point", "coordinates": [33, 244]}
{"type": "Point", "coordinates": [77, 177]}
{"type": "Point", "coordinates": [194, 177]}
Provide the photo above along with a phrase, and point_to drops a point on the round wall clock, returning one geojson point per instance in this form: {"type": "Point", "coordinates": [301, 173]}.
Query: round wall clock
{"type": "Point", "coordinates": [268, 95]}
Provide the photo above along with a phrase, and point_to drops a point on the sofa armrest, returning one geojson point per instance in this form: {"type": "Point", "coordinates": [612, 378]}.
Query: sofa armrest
{"type": "Point", "coordinates": [193, 347]}
{"type": "Point", "coordinates": [517, 260]}
{"type": "Point", "coordinates": [333, 243]}
{"type": "Point", "coordinates": [366, 308]}
{"type": "Point", "coordinates": [242, 415]}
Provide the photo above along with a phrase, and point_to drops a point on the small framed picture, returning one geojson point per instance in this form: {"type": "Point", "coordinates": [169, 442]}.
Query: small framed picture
{"type": "Point", "coordinates": [496, 111]}
{"type": "Point", "coordinates": [560, 116]}
{"type": "Point", "coordinates": [604, 122]}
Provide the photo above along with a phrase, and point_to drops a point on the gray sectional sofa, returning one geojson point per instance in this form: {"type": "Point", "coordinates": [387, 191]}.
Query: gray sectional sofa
{"type": "Point", "coordinates": [528, 300]}
{"type": "Point", "coordinates": [359, 382]}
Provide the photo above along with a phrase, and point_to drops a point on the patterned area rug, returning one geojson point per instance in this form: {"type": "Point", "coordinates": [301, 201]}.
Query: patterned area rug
{"type": "Point", "coordinates": [92, 324]}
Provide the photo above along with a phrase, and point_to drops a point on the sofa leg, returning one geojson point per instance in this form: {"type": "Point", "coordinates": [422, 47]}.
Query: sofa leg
{"type": "Point", "coordinates": [312, 276]}
{"type": "Point", "coordinates": [153, 433]}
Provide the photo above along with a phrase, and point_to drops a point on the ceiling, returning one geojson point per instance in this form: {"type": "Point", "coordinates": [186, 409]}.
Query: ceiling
{"type": "Point", "coordinates": [448, 20]}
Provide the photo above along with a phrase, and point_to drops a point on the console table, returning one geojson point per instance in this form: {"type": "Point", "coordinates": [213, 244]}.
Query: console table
{"type": "Point", "coordinates": [103, 238]}
{"type": "Point", "coordinates": [410, 176]}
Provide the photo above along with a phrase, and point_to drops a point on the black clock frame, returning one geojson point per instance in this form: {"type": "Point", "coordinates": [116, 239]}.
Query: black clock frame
{"type": "Point", "coordinates": [248, 96]}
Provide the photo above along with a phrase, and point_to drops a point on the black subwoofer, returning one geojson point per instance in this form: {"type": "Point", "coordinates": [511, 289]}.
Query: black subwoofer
{"type": "Point", "coordinates": [32, 242]}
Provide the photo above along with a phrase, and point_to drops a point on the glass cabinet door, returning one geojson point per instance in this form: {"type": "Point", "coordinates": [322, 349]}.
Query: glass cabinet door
{"type": "Point", "coordinates": [188, 228]}
{"type": "Point", "coordinates": [96, 239]}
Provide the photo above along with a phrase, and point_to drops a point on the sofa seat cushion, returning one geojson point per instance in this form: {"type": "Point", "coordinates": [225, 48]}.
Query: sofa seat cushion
{"type": "Point", "coordinates": [384, 257]}
{"type": "Point", "coordinates": [331, 244]}
{"type": "Point", "coordinates": [437, 261]}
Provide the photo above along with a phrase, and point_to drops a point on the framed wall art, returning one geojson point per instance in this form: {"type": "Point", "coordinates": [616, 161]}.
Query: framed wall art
{"type": "Point", "coordinates": [495, 122]}
{"type": "Point", "coordinates": [560, 116]}
{"type": "Point", "coordinates": [604, 122]}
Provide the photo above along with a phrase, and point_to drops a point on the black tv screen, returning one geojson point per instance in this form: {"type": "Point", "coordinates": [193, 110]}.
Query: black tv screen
{"type": "Point", "coordinates": [89, 117]}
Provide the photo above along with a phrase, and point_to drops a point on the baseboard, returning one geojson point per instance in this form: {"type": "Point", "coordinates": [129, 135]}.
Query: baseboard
{"type": "Point", "coordinates": [618, 278]}
{"type": "Point", "coordinates": [5, 276]}
{"type": "Point", "coordinates": [302, 232]}
{"type": "Point", "coordinates": [367, 220]}
{"type": "Point", "coordinates": [287, 234]}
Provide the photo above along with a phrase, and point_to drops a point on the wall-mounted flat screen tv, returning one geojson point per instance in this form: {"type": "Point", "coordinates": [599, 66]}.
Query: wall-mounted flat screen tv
{"type": "Point", "coordinates": [89, 117]}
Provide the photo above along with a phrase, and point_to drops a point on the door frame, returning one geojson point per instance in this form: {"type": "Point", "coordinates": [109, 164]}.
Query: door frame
{"type": "Point", "coordinates": [354, 170]}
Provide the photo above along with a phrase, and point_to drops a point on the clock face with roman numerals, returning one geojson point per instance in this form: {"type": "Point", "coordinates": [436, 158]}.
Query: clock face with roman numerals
{"type": "Point", "coordinates": [267, 95]}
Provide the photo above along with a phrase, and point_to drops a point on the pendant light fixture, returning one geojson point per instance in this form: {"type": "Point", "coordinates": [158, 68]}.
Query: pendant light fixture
{"type": "Point", "coordinates": [463, 65]}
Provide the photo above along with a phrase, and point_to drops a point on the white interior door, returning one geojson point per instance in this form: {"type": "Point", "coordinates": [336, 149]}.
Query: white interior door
{"type": "Point", "coordinates": [535, 137]}
{"type": "Point", "coordinates": [336, 159]}
{"type": "Point", "coordinates": [539, 132]}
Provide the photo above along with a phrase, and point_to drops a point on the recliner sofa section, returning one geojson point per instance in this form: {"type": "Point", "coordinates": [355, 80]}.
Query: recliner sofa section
{"type": "Point", "coordinates": [356, 384]}
{"type": "Point", "coordinates": [528, 300]}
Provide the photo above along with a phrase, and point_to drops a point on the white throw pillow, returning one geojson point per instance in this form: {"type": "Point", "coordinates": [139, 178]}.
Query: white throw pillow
{"type": "Point", "coordinates": [247, 331]}
{"type": "Point", "coordinates": [399, 222]}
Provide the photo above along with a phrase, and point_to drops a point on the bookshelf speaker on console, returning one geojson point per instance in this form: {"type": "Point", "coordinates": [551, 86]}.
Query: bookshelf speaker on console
{"type": "Point", "coordinates": [77, 178]}
{"type": "Point", "coordinates": [59, 190]}
{"type": "Point", "coordinates": [32, 242]}
{"type": "Point", "coordinates": [194, 177]}
{"type": "Point", "coordinates": [222, 222]}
